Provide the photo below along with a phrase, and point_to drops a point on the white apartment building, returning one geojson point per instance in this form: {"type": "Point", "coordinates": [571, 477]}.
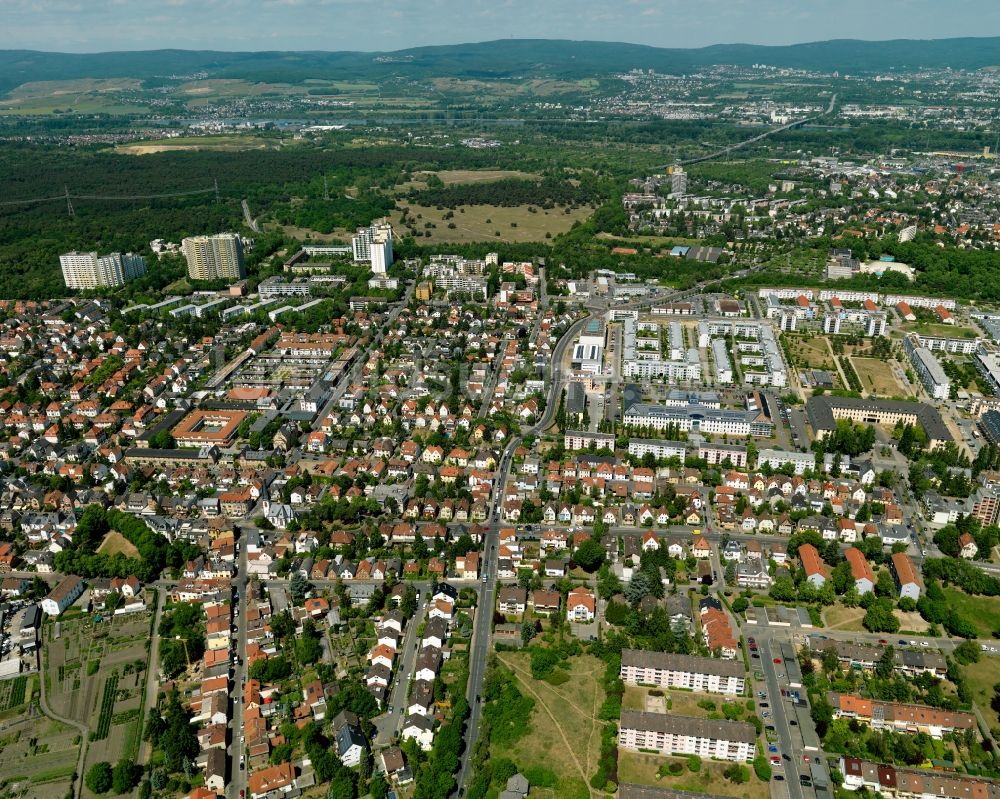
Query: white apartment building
{"type": "Point", "coordinates": [693, 673]}
{"type": "Point", "coordinates": [937, 383]}
{"type": "Point", "coordinates": [722, 740]}
{"type": "Point", "coordinates": [88, 270]}
{"type": "Point", "coordinates": [659, 448]}
{"type": "Point", "coordinates": [373, 245]}
{"type": "Point", "coordinates": [218, 257]}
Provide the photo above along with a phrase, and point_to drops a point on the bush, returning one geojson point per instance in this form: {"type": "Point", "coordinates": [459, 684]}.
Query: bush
{"type": "Point", "coordinates": [762, 768]}
{"type": "Point", "coordinates": [736, 774]}
{"type": "Point", "coordinates": [694, 764]}
{"type": "Point", "coordinates": [541, 777]}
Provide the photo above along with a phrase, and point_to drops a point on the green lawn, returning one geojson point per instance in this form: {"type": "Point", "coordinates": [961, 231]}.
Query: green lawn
{"type": "Point", "coordinates": [982, 676]}
{"type": "Point", "coordinates": [983, 611]}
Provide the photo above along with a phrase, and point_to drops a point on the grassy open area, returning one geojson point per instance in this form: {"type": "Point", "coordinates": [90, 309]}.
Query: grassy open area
{"type": "Point", "coordinates": [227, 143]}
{"type": "Point", "coordinates": [878, 376]}
{"type": "Point", "coordinates": [564, 737]}
{"type": "Point", "coordinates": [812, 353]}
{"type": "Point", "coordinates": [490, 223]}
{"type": "Point", "coordinates": [654, 242]}
{"type": "Point", "coordinates": [982, 676]}
{"type": "Point", "coordinates": [983, 611]}
{"type": "Point", "coordinates": [644, 769]}
{"type": "Point", "coordinates": [937, 329]}
{"type": "Point", "coordinates": [115, 543]}
{"type": "Point", "coordinates": [452, 176]}
{"type": "Point", "coordinates": [838, 617]}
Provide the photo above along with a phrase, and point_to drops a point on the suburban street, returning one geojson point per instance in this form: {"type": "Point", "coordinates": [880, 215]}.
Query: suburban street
{"type": "Point", "coordinates": [388, 723]}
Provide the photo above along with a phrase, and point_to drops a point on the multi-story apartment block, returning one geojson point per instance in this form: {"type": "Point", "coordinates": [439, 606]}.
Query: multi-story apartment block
{"type": "Point", "coordinates": [928, 368]}
{"type": "Point", "coordinates": [218, 257]}
{"type": "Point", "coordinates": [721, 740]}
{"type": "Point", "coordinates": [659, 448]}
{"type": "Point", "coordinates": [694, 673]}
{"type": "Point", "coordinates": [373, 245]}
{"type": "Point", "coordinates": [88, 270]}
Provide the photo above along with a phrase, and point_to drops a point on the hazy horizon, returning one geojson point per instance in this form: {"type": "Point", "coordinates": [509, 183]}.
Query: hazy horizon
{"type": "Point", "coordinates": [77, 26]}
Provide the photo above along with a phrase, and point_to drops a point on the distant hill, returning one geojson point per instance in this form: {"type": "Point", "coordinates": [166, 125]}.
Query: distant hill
{"type": "Point", "coordinates": [497, 59]}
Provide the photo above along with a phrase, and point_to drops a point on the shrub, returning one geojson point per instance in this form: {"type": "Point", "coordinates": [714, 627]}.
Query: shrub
{"type": "Point", "coordinates": [694, 764]}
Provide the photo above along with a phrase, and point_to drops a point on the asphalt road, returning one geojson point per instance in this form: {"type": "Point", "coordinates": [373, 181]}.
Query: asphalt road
{"type": "Point", "coordinates": [788, 743]}
{"type": "Point", "coordinates": [238, 776]}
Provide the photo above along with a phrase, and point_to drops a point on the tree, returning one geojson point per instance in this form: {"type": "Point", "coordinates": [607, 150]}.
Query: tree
{"type": "Point", "coordinates": [125, 776]}
{"type": "Point", "coordinates": [967, 652]}
{"type": "Point", "coordinates": [528, 632]}
{"type": "Point", "coordinates": [879, 617]}
{"type": "Point", "coordinates": [378, 787]}
{"type": "Point", "coordinates": [638, 587]}
{"type": "Point", "coordinates": [589, 555]}
{"type": "Point", "coordinates": [408, 604]}
{"type": "Point", "coordinates": [99, 777]}
{"type": "Point", "coordinates": [886, 664]}
{"type": "Point", "coordinates": [298, 586]}
{"type": "Point", "coordinates": [307, 648]}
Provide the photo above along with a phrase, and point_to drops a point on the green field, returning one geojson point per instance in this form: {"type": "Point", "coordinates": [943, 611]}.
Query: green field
{"type": "Point", "coordinates": [982, 676]}
{"type": "Point", "coordinates": [983, 611]}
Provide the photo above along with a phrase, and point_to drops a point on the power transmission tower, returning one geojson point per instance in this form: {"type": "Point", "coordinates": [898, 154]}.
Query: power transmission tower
{"type": "Point", "coordinates": [69, 204]}
{"type": "Point", "coordinates": [326, 189]}
{"type": "Point", "coordinates": [216, 189]}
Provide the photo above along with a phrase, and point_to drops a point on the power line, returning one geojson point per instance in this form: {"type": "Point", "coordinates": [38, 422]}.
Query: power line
{"type": "Point", "coordinates": [67, 195]}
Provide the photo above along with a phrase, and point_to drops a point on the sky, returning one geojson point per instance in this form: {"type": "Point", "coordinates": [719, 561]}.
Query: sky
{"type": "Point", "coordinates": [379, 25]}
